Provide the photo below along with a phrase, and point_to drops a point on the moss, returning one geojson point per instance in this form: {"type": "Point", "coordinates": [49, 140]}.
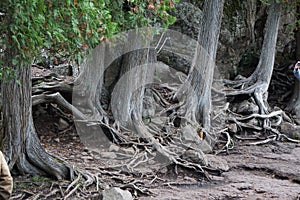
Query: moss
{"type": "Point", "coordinates": [39, 179]}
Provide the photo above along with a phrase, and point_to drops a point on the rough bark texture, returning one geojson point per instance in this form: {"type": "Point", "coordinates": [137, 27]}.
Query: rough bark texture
{"type": "Point", "coordinates": [88, 85]}
{"type": "Point", "coordinates": [20, 142]}
{"type": "Point", "coordinates": [197, 87]}
{"type": "Point", "coordinates": [251, 13]}
{"type": "Point", "coordinates": [136, 72]}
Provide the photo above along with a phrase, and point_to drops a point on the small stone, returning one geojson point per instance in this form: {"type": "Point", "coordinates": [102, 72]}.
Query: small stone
{"type": "Point", "coordinates": [217, 162]}
{"type": "Point", "coordinates": [116, 194]}
{"type": "Point", "coordinates": [114, 148]}
{"type": "Point", "coordinates": [62, 124]}
{"type": "Point", "coordinates": [129, 151]}
{"type": "Point", "coordinates": [186, 178]}
{"type": "Point", "coordinates": [56, 140]}
{"type": "Point", "coordinates": [84, 153]}
{"type": "Point", "coordinates": [87, 158]}
{"type": "Point", "coordinates": [108, 155]}
{"type": "Point", "coordinates": [233, 128]}
{"type": "Point", "coordinates": [163, 170]}
{"type": "Point", "coordinates": [244, 186]}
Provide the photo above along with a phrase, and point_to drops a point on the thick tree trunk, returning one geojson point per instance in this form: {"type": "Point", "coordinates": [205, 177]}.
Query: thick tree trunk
{"type": "Point", "coordinates": [263, 73]}
{"type": "Point", "coordinates": [258, 82]}
{"type": "Point", "coordinates": [197, 87]}
{"type": "Point", "coordinates": [265, 66]}
{"type": "Point", "coordinates": [88, 85]}
{"type": "Point", "coordinates": [251, 17]}
{"type": "Point", "coordinates": [137, 71]}
{"type": "Point", "coordinates": [20, 143]}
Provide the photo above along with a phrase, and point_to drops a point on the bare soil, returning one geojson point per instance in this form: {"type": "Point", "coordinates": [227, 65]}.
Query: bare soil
{"type": "Point", "coordinates": [270, 171]}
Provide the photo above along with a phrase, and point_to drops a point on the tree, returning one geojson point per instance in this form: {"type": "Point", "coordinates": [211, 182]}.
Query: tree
{"type": "Point", "coordinates": [137, 69]}
{"type": "Point", "coordinates": [198, 85]}
{"type": "Point", "coordinates": [68, 28]}
{"type": "Point", "coordinates": [258, 83]}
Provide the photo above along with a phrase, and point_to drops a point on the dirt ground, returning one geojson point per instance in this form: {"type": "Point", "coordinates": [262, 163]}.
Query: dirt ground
{"type": "Point", "coordinates": [269, 171]}
{"type": "Point", "coordinates": [256, 172]}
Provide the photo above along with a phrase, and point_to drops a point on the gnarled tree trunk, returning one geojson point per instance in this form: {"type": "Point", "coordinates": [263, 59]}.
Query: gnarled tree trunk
{"type": "Point", "coordinates": [197, 88]}
{"type": "Point", "coordinates": [258, 82]}
{"type": "Point", "coordinates": [137, 71]}
{"type": "Point", "coordinates": [20, 143]}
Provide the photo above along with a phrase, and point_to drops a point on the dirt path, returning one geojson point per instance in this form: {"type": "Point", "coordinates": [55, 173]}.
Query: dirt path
{"type": "Point", "coordinates": [257, 172]}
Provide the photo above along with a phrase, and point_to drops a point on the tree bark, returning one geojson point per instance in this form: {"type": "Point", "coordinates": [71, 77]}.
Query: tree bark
{"type": "Point", "coordinates": [137, 71]}
{"type": "Point", "coordinates": [258, 82]}
{"type": "Point", "coordinates": [19, 139]}
{"type": "Point", "coordinates": [251, 14]}
{"type": "Point", "coordinates": [197, 87]}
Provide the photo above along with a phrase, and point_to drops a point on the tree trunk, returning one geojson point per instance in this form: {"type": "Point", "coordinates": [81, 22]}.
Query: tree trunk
{"type": "Point", "coordinates": [258, 82]}
{"type": "Point", "coordinates": [88, 85]}
{"type": "Point", "coordinates": [137, 71]}
{"type": "Point", "coordinates": [197, 87]}
{"type": "Point", "coordinates": [251, 17]}
{"type": "Point", "coordinates": [20, 143]}
{"type": "Point", "coordinates": [264, 70]}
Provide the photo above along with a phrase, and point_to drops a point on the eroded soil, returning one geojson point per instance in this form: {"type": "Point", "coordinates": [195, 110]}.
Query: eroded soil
{"type": "Point", "coordinates": [257, 172]}
{"type": "Point", "coordinates": [270, 171]}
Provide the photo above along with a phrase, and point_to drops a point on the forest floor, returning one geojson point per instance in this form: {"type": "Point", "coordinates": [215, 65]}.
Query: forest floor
{"type": "Point", "coordinates": [270, 171]}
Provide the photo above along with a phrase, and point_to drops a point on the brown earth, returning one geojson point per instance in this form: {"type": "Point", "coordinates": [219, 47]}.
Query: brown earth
{"type": "Point", "coordinates": [270, 171]}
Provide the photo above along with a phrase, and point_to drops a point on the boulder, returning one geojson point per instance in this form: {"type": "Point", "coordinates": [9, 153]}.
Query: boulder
{"type": "Point", "coordinates": [116, 194]}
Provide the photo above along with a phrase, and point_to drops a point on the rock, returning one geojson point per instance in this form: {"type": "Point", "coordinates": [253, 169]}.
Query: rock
{"type": "Point", "coordinates": [166, 74]}
{"type": "Point", "coordinates": [247, 107]}
{"type": "Point", "coordinates": [108, 155]}
{"type": "Point", "coordinates": [62, 124]}
{"type": "Point", "coordinates": [187, 178]}
{"type": "Point", "coordinates": [195, 156]}
{"type": "Point", "coordinates": [160, 122]}
{"type": "Point", "coordinates": [190, 138]}
{"type": "Point", "coordinates": [116, 194]}
{"type": "Point", "coordinates": [129, 151]}
{"type": "Point", "coordinates": [87, 158]}
{"type": "Point", "coordinates": [56, 140]}
{"type": "Point", "coordinates": [233, 128]}
{"type": "Point", "coordinates": [114, 148]}
{"type": "Point", "coordinates": [84, 153]}
{"type": "Point", "coordinates": [243, 186]}
{"type": "Point", "coordinates": [291, 130]}
{"type": "Point", "coordinates": [217, 162]}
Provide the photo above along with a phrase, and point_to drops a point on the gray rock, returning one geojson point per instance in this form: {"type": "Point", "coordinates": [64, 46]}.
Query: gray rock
{"type": "Point", "coordinates": [247, 107]}
{"type": "Point", "coordinates": [116, 194]}
{"type": "Point", "coordinates": [195, 156]}
{"type": "Point", "coordinates": [217, 162]}
{"type": "Point", "coordinates": [190, 138]}
{"type": "Point", "coordinates": [108, 155]}
{"type": "Point", "coordinates": [62, 124]}
{"type": "Point", "coordinates": [233, 128]}
{"type": "Point", "coordinates": [114, 148]}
